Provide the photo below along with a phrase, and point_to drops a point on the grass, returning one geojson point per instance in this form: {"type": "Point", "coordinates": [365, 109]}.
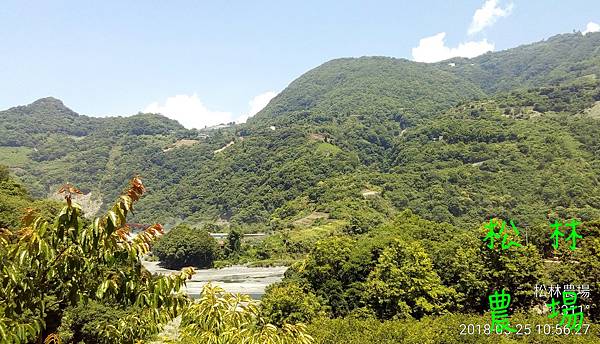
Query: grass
{"type": "Point", "coordinates": [594, 111]}
{"type": "Point", "coordinates": [327, 149]}
{"type": "Point", "coordinates": [315, 233]}
{"type": "Point", "coordinates": [15, 157]}
{"type": "Point", "coordinates": [310, 219]}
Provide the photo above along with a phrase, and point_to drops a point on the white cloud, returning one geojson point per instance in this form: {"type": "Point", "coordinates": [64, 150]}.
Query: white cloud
{"type": "Point", "coordinates": [487, 15]}
{"type": "Point", "coordinates": [192, 113]}
{"type": "Point", "coordinates": [258, 103]}
{"type": "Point", "coordinates": [591, 27]}
{"type": "Point", "coordinates": [434, 49]}
{"type": "Point", "coordinates": [189, 111]}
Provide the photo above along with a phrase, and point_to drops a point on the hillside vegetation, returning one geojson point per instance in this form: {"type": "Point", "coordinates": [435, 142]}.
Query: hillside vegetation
{"type": "Point", "coordinates": [373, 178]}
{"type": "Point", "coordinates": [419, 132]}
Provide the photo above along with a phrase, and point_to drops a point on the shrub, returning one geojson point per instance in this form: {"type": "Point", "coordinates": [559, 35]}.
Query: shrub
{"type": "Point", "coordinates": [186, 246]}
{"type": "Point", "coordinates": [221, 317]}
{"type": "Point", "coordinates": [447, 329]}
{"type": "Point", "coordinates": [233, 244]}
{"type": "Point", "coordinates": [4, 173]}
{"type": "Point", "coordinates": [49, 268]}
{"type": "Point", "coordinates": [87, 323]}
{"type": "Point", "coordinates": [287, 303]}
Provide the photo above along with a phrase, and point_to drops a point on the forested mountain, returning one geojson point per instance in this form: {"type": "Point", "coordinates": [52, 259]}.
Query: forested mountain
{"type": "Point", "coordinates": [373, 177]}
{"type": "Point", "coordinates": [31, 125]}
{"type": "Point", "coordinates": [510, 133]}
{"type": "Point", "coordinates": [557, 60]}
{"type": "Point", "coordinates": [368, 86]}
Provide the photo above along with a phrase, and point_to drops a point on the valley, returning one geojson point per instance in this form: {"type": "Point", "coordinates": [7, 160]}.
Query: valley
{"type": "Point", "coordinates": [233, 279]}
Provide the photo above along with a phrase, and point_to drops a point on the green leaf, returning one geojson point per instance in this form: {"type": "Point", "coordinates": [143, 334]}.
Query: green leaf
{"type": "Point", "coordinates": [22, 257]}
{"type": "Point", "coordinates": [113, 218]}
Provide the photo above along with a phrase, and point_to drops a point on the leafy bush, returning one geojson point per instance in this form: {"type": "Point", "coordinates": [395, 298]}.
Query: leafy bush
{"type": "Point", "coordinates": [288, 303]}
{"type": "Point", "coordinates": [404, 283]}
{"type": "Point", "coordinates": [186, 246]}
{"type": "Point", "coordinates": [4, 173]}
{"type": "Point", "coordinates": [233, 244]}
{"type": "Point", "coordinates": [87, 323]}
{"type": "Point", "coordinates": [415, 267]}
{"type": "Point", "coordinates": [221, 317]}
{"type": "Point", "coordinates": [437, 330]}
{"type": "Point", "coordinates": [49, 268]}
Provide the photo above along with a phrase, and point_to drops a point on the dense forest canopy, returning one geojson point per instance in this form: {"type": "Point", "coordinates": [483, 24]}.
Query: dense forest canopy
{"type": "Point", "coordinates": [559, 59]}
{"type": "Point", "coordinates": [415, 132]}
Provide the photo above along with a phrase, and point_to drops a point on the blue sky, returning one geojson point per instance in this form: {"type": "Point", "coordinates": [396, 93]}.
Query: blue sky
{"type": "Point", "coordinates": [204, 62]}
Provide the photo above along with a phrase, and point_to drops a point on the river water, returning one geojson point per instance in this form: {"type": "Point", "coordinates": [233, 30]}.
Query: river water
{"type": "Point", "coordinates": [234, 279]}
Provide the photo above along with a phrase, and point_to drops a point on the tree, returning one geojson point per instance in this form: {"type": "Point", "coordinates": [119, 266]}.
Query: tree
{"type": "Point", "coordinates": [224, 318]}
{"type": "Point", "coordinates": [233, 245]}
{"type": "Point", "coordinates": [331, 272]}
{"type": "Point", "coordinates": [4, 173]}
{"type": "Point", "coordinates": [360, 222]}
{"type": "Point", "coordinates": [463, 269]}
{"type": "Point", "coordinates": [48, 268]}
{"type": "Point", "coordinates": [404, 284]}
{"type": "Point", "coordinates": [288, 303]}
{"type": "Point", "coordinates": [186, 246]}
{"type": "Point", "coordinates": [517, 269]}
{"type": "Point", "coordinates": [589, 269]}
{"type": "Point", "coordinates": [14, 199]}
{"type": "Point", "coordinates": [582, 267]}
{"type": "Point", "coordinates": [87, 323]}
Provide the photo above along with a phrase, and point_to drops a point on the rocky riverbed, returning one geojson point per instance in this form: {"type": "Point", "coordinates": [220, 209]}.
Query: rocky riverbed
{"type": "Point", "coordinates": [234, 279]}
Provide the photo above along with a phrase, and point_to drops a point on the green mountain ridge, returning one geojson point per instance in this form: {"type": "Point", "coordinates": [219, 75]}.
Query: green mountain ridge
{"type": "Point", "coordinates": [31, 124]}
{"type": "Point", "coordinates": [554, 61]}
{"type": "Point", "coordinates": [503, 134]}
{"type": "Point", "coordinates": [366, 85]}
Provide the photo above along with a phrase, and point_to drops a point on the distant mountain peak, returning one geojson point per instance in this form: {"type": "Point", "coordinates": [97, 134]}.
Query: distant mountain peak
{"type": "Point", "coordinates": [50, 106]}
{"type": "Point", "coordinates": [48, 101]}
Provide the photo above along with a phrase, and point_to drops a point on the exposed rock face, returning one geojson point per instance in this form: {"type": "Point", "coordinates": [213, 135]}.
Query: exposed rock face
{"type": "Point", "coordinates": [181, 143]}
{"type": "Point", "coordinates": [90, 202]}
